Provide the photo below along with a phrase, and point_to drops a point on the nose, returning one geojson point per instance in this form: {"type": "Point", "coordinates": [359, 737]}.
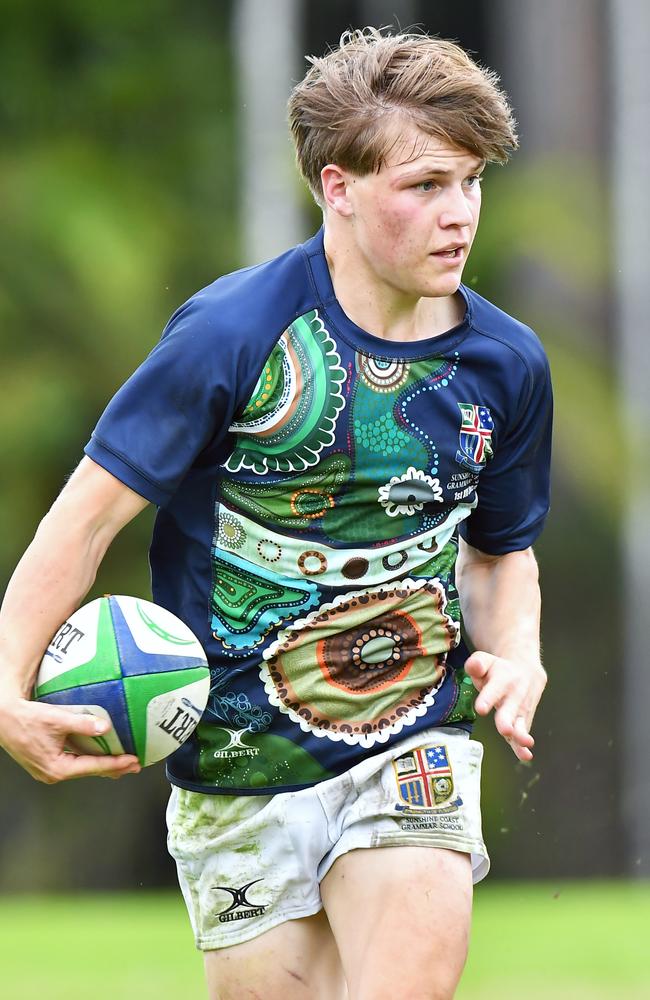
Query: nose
{"type": "Point", "coordinates": [457, 210]}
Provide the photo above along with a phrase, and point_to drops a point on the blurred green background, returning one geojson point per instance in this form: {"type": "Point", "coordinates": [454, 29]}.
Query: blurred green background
{"type": "Point", "coordinates": [122, 169]}
{"type": "Point", "coordinates": [532, 940]}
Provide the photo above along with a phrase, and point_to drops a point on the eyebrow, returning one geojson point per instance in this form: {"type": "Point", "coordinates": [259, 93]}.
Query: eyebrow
{"type": "Point", "coordinates": [440, 171]}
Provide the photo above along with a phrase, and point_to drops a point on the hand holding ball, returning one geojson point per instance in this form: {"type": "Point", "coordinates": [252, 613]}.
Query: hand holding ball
{"type": "Point", "coordinates": [133, 663]}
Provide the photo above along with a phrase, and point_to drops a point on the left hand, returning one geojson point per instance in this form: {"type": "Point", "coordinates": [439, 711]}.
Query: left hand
{"type": "Point", "coordinates": [513, 690]}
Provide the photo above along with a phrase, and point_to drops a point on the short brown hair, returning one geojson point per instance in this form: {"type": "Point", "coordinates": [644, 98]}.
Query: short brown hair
{"type": "Point", "coordinates": [339, 112]}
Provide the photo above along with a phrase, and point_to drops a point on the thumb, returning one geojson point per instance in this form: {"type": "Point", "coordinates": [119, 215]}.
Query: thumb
{"type": "Point", "coordinates": [477, 667]}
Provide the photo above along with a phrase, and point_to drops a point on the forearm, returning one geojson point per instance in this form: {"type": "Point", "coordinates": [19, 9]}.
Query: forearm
{"type": "Point", "coordinates": [50, 581]}
{"type": "Point", "coordinates": [58, 569]}
{"type": "Point", "coordinates": [500, 601]}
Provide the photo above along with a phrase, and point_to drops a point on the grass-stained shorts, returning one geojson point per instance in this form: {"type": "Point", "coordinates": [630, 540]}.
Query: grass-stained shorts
{"type": "Point", "coordinates": [247, 863]}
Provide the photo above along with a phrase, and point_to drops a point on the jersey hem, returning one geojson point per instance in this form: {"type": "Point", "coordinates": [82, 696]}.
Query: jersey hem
{"type": "Point", "coordinates": [194, 786]}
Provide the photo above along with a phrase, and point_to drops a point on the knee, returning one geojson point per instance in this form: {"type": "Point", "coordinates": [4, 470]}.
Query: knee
{"type": "Point", "coordinates": [415, 984]}
{"type": "Point", "coordinates": [438, 990]}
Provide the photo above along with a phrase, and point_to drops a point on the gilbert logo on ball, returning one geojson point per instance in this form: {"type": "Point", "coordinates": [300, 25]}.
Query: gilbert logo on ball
{"type": "Point", "coordinates": [131, 662]}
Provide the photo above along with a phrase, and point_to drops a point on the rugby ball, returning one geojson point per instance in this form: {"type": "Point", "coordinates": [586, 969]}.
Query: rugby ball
{"type": "Point", "coordinates": [134, 663]}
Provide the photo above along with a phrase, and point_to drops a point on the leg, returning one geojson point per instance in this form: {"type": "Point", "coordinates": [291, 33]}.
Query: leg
{"type": "Point", "coordinates": [401, 919]}
{"type": "Point", "coordinates": [297, 960]}
{"type": "Point", "coordinates": [255, 858]}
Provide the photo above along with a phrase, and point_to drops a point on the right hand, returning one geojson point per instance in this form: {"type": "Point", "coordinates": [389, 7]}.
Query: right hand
{"type": "Point", "coordinates": [35, 735]}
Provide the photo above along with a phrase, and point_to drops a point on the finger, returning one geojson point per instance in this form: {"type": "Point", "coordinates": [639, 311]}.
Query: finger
{"type": "Point", "coordinates": [522, 733]}
{"type": "Point", "coordinates": [492, 694]}
{"type": "Point", "coordinates": [478, 666]}
{"type": "Point", "coordinates": [521, 753]}
{"type": "Point", "coordinates": [519, 739]}
{"type": "Point", "coordinates": [81, 723]}
{"type": "Point", "coordinates": [504, 720]}
{"type": "Point", "coordinates": [85, 765]}
{"type": "Point", "coordinates": [511, 725]}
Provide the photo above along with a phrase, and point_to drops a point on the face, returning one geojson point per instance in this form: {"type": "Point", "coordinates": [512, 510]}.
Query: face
{"type": "Point", "coordinates": [413, 222]}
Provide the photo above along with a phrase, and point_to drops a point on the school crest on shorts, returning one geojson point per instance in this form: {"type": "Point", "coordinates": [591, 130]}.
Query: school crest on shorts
{"type": "Point", "coordinates": [475, 436]}
{"type": "Point", "coordinates": [425, 780]}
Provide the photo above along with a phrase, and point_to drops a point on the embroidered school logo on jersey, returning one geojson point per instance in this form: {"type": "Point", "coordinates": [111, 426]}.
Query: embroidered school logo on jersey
{"type": "Point", "coordinates": [475, 436]}
{"type": "Point", "coordinates": [425, 779]}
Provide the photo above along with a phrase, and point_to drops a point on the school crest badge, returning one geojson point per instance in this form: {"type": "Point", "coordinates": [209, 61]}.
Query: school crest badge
{"type": "Point", "coordinates": [425, 779]}
{"type": "Point", "coordinates": [475, 438]}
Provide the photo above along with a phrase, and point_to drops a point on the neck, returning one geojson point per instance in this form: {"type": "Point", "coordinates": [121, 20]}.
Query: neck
{"type": "Point", "coordinates": [380, 308]}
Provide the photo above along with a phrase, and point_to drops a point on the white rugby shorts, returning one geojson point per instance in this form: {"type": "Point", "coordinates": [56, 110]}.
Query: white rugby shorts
{"type": "Point", "coordinates": [247, 863]}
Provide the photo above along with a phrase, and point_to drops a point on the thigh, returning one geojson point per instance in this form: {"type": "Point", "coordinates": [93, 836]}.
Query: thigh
{"type": "Point", "coordinates": [401, 919]}
{"type": "Point", "coordinates": [297, 960]}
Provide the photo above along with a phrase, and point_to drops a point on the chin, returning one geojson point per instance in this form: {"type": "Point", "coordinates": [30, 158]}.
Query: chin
{"type": "Point", "coordinates": [440, 287]}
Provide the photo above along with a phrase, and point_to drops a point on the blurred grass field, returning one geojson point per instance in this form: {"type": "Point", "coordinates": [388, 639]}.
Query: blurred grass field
{"type": "Point", "coordinates": [568, 941]}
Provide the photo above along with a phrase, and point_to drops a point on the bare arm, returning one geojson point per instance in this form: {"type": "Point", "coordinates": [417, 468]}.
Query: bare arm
{"type": "Point", "coordinates": [49, 583]}
{"type": "Point", "coordinates": [501, 603]}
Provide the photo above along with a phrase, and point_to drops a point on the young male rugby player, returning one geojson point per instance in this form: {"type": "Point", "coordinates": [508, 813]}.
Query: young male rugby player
{"type": "Point", "coordinates": [336, 440]}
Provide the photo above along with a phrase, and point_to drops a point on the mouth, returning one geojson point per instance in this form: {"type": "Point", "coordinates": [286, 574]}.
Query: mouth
{"type": "Point", "coordinates": [451, 253]}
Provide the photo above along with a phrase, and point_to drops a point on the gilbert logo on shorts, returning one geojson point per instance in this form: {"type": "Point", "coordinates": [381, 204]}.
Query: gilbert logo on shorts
{"type": "Point", "coordinates": [425, 780]}
{"type": "Point", "coordinates": [240, 908]}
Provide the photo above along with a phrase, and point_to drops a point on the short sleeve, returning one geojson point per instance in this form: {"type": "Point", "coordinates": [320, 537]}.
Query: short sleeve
{"type": "Point", "coordinates": [177, 403]}
{"type": "Point", "coordinates": [514, 488]}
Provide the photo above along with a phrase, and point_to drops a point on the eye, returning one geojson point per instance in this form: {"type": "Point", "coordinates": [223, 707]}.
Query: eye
{"type": "Point", "coordinates": [425, 186]}
{"type": "Point", "coordinates": [475, 180]}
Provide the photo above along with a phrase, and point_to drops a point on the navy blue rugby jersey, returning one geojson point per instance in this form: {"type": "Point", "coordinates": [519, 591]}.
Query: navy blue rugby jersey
{"type": "Point", "coordinates": [311, 481]}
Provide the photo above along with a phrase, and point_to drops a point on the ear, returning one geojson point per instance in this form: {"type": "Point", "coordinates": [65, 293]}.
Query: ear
{"type": "Point", "coordinates": [335, 183]}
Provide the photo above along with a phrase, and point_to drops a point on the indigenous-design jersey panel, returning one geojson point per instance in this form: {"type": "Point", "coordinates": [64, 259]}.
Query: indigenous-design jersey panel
{"type": "Point", "coordinates": [332, 594]}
